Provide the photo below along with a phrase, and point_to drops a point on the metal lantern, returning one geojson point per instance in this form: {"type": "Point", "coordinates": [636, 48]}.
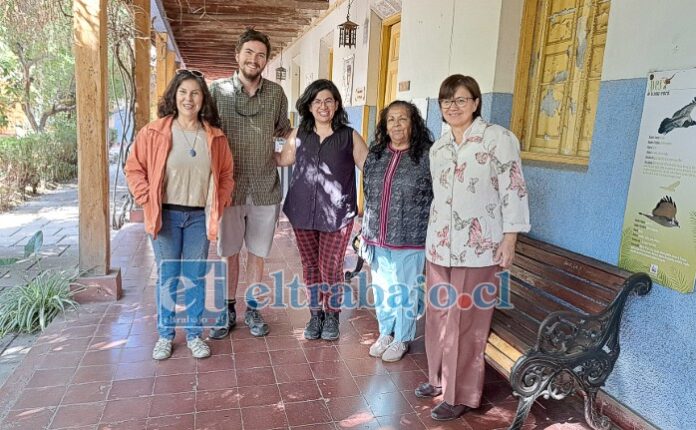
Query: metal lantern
{"type": "Point", "coordinates": [281, 72]}
{"type": "Point", "coordinates": [349, 31]}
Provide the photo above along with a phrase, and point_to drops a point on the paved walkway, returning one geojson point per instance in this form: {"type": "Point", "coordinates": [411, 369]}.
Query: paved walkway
{"type": "Point", "coordinates": [94, 371]}
{"type": "Point", "coordinates": [55, 213]}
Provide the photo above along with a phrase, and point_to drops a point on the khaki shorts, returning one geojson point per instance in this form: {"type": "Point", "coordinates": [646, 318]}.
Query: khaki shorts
{"type": "Point", "coordinates": [247, 224]}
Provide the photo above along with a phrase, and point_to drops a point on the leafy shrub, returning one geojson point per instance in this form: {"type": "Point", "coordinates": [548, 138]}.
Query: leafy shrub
{"type": "Point", "coordinates": [31, 307]}
{"type": "Point", "coordinates": [34, 159]}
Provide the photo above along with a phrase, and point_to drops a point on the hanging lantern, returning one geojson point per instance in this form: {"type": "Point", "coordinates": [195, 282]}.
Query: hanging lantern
{"type": "Point", "coordinates": [348, 31]}
{"type": "Point", "coordinates": [281, 72]}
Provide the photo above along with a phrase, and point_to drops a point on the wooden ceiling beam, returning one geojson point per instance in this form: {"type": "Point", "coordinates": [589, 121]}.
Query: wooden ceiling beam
{"type": "Point", "coordinates": [188, 19]}
{"type": "Point", "coordinates": [319, 5]}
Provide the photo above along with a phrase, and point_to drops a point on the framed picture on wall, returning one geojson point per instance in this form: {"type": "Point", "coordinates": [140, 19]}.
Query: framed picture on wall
{"type": "Point", "coordinates": [348, 67]}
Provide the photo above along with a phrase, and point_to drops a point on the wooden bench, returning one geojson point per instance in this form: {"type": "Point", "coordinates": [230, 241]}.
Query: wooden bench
{"type": "Point", "coordinates": [563, 333]}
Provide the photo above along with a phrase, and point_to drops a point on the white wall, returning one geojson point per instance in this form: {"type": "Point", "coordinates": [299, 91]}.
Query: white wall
{"type": "Point", "coordinates": [306, 50]}
{"type": "Point", "coordinates": [648, 35]}
{"type": "Point", "coordinates": [472, 37]}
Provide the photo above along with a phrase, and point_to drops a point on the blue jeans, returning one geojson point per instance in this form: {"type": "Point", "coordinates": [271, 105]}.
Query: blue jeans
{"type": "Point", "coordinates": [399, 295]}
{"type": "Point", "coordinates": [182, 245]}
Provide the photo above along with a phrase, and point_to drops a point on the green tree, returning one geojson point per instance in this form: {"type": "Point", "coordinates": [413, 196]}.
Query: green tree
{"type": "Point", "coordinates": [38, 68]}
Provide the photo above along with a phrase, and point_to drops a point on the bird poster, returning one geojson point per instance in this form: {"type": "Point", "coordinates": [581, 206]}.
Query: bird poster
{"type": "Point", "coordinates": [659, 230]}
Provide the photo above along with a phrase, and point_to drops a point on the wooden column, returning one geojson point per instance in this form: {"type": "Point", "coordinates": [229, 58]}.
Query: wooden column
{"type": "Point", "coordinates": [171, 66]}
{"type": "Point", "coordinates": [141, 16]}
{"type": "Point", "coordinates": [89, 20]}
{"type": "Point", "coordinates": [161, 64]}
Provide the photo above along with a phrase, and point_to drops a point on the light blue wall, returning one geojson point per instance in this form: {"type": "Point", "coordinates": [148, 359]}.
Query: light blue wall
{"type": "Point", "coordinates": [582, 209]}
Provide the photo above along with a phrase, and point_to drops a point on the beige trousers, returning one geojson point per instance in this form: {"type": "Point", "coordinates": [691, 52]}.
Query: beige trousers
{"type": "Point", "coordinates": [455, 338]}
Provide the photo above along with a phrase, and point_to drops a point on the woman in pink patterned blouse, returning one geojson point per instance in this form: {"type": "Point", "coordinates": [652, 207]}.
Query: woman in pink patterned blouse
{"type": "Point", "coordinates": [479, 206]}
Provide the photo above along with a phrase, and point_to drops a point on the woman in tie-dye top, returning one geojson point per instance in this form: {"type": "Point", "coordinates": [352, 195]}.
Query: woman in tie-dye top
{"type": "Point", "coordinates": [479, 206]}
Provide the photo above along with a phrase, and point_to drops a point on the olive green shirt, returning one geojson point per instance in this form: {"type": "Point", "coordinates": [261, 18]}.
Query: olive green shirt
{"type": "Point", "coordinates": [250, 123]}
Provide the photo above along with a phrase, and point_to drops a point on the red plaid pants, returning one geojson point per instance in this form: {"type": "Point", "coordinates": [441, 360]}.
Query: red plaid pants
{"type": "Point", "coordinates": [322, 254]}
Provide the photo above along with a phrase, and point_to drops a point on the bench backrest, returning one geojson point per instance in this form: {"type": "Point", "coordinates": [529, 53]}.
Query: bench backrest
{"type": "Point", "coordinates": [544, 279]}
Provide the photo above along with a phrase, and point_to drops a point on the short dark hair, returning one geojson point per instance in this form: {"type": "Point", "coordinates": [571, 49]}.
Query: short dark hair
{"type": "Point", "coordinates": [167, 104]}
{"type": "Point", "coordinates": [450, 85]}
{"type": "Point", "coordinates": [250, 35]}
{"type": "Point", "coordinates": [340, 118]}
{"type": "Point", "coordinates": [421, 137]}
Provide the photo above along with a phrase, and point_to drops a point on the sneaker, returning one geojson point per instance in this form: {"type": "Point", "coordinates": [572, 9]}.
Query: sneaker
{"type": "Point", "coordinates": [329, 331]}
{"type": "Point", "coordinates": [221, 331]}
{"type": "Point", "coordinates": [162, 349]}
{"type": "Point", "coordinates": [313, 329]}
{"type": "Point", "coordinates": [254, 320]}
{"type": "Point", "coordinates": [395, 351]}
{"type": "Point", "coordinates": [199, 349]}
{"type": "Point", "coordinates": [378, 348]}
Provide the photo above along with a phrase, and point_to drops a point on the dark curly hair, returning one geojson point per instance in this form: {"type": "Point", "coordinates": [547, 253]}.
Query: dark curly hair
{"type": "Point", "coordinates": [421, 137]}
{"type": "Point", "coordinates": [167, 104]}
{"type": "Point", "coordinates": [340, 118]}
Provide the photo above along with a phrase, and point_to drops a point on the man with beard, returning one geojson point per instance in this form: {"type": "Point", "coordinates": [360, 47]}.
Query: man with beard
{"type": "Point", "coordinates": [253, 110]}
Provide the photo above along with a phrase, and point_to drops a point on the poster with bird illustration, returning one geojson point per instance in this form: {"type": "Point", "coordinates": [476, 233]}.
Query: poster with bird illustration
{"type": "Point", "coordinates": [659, 230]}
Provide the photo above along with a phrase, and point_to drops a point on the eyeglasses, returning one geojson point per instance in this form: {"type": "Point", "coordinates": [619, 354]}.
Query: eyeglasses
{"type": "Point", "coordinates": [327, 102]}
{"type": "Point", "coordinates": [459, 101]}
{"type": "Point", "coordinates": [194, 72]}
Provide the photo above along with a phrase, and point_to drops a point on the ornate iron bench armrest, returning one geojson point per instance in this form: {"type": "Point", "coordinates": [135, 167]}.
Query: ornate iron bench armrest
{"type": "Point", "coordinates": [573, 352]}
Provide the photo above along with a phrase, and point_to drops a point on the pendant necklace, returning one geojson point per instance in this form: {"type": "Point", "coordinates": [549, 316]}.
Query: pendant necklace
{"type": "Point", "coordinates": [192, 150]}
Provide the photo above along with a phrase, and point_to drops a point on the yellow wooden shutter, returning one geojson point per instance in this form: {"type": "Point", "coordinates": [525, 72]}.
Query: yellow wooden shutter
{"type": "Point", "coordinates": [557, 87]}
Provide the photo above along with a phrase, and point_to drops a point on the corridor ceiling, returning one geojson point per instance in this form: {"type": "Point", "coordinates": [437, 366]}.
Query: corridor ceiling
{"type": "Point", "coordinates": [206, 31]}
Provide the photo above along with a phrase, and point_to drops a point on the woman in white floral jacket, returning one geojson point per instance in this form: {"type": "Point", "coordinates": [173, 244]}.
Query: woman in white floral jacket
{"type": "Point", "coordinates": [479, 206]}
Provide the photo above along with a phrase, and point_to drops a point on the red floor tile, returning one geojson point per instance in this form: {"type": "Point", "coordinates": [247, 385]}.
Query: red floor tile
{"type": "Point", "coordinates": [180, 383]}
{"type": "Point", "coordinates": [257, 376]}
{"type": "Point", "coordinates": [293, 373]}
{"type": "Point", "coordinates": [52, 377]}
{"type": "Point", "coordinates": [40, 397]}
{"type": "Point", "coordinates": [29, 419]}
{"type": "Point", "coordinates": [172, 404]}
{"type": "Point", "coordinates": [389, 404]}
{"type": "Point", "coordinates": [226, 419]}
{"type": "Point", "coordinates": [126, 409]}
{"type": "Point", "coordinates": [401, 422]}
{"type": "Point", "coordinates": [217, 380]}
{"type": "Point", "coordinates": [299, 391]}
{"type": "Point", "coordinates": [258, 395]}
{"type": "Point", "coordinates": [86, 393]}
{"type": "Point", "coordinates": [264, 417]}
{"type": "Point", "coordinates": [305, 413]}
{"type": "Point", "coordinates": [215, 363]}
{"type": "Point", "coordinates": [213, 400]}
{"type": "Point", "coordinates": [339, 387]}
{"type": "Point", "coordinates": [291, 356]}
{"type": "Point", "coordinates": [131, 388]}
{"type": "Point", "coordinates": [248, 360]}
{"type": "Point", "coordinates": [77, 415]}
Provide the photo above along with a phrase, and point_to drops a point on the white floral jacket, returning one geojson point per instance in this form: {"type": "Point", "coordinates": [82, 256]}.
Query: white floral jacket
{"type": "Point", "coordinates": [479, 194]}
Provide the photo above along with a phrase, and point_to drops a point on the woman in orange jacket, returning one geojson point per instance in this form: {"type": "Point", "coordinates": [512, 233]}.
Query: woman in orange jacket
{"type": "Point", "coordinates": [181, 164]}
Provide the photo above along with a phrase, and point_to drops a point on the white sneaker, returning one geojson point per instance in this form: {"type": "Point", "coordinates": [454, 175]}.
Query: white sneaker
{"type": "Point", "coordinates": [199, 349]}
{"type": "Point", "coordinates": [162, 349]}
{"type": "Point", "coordinates": [395, 351]}
{"type": "Point", "coordinates": [378, 348]}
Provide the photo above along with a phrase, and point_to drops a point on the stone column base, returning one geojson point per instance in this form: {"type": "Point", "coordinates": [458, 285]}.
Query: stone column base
{"type": "Point", "coordinates": [99, 288]}
{"type": "Point", "coordinates": [136, 215]}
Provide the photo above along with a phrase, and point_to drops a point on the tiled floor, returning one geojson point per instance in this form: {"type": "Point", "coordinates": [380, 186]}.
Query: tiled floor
{"type": "Point", "coordinates": [94, 371]}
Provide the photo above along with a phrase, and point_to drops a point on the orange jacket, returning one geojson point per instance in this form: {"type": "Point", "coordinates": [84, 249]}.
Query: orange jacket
{"type": "Point", "coordinates": [145, 172]}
